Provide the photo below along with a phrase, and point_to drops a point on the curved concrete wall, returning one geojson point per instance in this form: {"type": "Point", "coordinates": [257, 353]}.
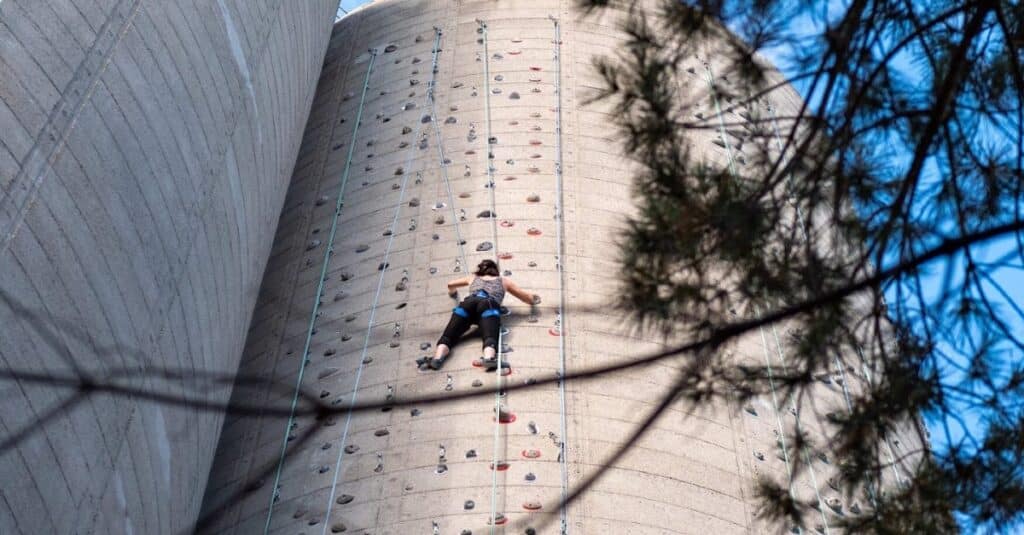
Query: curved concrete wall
{"type": "Point", "coordinates": [145, 152]}
{"type": "Point", "coordinates": [382, 472]}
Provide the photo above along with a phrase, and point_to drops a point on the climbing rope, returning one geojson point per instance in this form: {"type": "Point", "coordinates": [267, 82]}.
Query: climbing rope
{"type": "Point", "coordinates": [559, 230]}
{"type": "Point", "coordinates": [410, 155]}
{"type": "Point", "coordinates": [892, 456]}
{"type": "Point", "coordinates": [796, 413]}
{"type": "Point", "coordinates": [782, 434]}
{"type": "Point", "coordinates": [499, 378]}
{"type": "Point", "coordinates": [775, 407]}
{"type": "Point", "coordinates": [800, 221]}
{"type": "Point", "coordinates": [328, 252]}
{"type": "Point", "coordinates": [440, 148]}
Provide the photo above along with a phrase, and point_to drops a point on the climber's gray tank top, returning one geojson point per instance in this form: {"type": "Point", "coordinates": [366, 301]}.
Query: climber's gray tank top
{"type": "Point", "coordinates": [494, 288]}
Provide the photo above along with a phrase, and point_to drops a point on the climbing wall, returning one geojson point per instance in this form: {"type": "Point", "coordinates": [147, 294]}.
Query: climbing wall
{"type": "Point", "coordinates": [444, 133]}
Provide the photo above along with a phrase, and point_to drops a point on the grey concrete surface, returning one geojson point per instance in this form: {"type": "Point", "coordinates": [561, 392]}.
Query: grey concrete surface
{"type": "Point", "coordinates": [693, 473]}
{"type": "Point", "coordinates": [145, 152]}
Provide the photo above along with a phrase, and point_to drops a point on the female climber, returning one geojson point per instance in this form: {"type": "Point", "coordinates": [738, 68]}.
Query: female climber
{"type": "Point", "coordinates": [483, 306]}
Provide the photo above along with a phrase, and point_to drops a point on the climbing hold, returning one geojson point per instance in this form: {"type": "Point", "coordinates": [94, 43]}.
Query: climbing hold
{"type": "Point", "coordinates": [498, 77]}
{"type": "Point", "coordinates": [507, 223]}
{"type": "Point", "coordinates": [439, 220]}
{"type": "Point", "coordinates": [505, 256]}
{"type": "Point", "coordinates": [323, 469]}
{"type": "Point", "coordinates": [531, 454]}
{"type": "Point", "coordinates": [340, 295]}
{"type": "Point", "coordinates": [414, 412]}
{"type": "Point", "coordinates": [441, 468]}
{"type": "Point", "coordinates": [313, 245]}
{"type": "Point", "coordinates": [484, 246]}
{"type": "Point", "coordinates": [414, 82]}
{"type": "Point", "coordinates": [390, 48]}
{"type": "Point", "coordinates": [338, 527]}
{"type": "Point", "coordinates": [299, 513]}
{"type": "Point", "coordinates": [344, 499]}
{"type": "Point", "coordinates": [531, 263]}
{"type": "Point", "coordinates": [555, 331]}
{"type": "Point", "coordinates": [485, 214]}
{"type": "Point", "coordinates": [464, 195]}
{"type": "Point", "coordinates": [327, 372]}
{"type": "Point", "coordinates": [328, 352]}
{"type": "Point", "coordinates": [346, 337]}
{"type": "Point", "coordinates": [382, 266]}
{"type": "Point", "coordinates": [468, 505]}
{"type": "Point", "coordinates": [425, 119]}
{"type": "Point", "coordinates": [393, 344]}
{"type": "Point", "coordinates": [498, 520]}
{"type": "Point", "coordinates": [399, 171]}
{"type": "Point", "coordinates": [532, 68]}
{"type": "Point", "coordinates": [406, 130]}
{"type": "Point", "coordinates": [324, 394]}
{"type": "Point", "coordinates": [533, 231]}
{"type": "Point", "coordinates": [534, 79]}
{"type": "Point", "coordinates": [381, 433]}
{"type": "Point", "coordinates": [530, 476]}
{"type": "Point", "coordinates": [750, 409]}
{"type": "Point", "coordinates": [368, 359]}
{"type": "Point", "coordinates": [506, 273]}
{"type": "Point", "coordinates": [432, 270]}
{"type": "Point", "coordinates": [351, 448]}
{"type": "Point", "coordinates": [478, 383]}
{"type": "Point", "coordinates": [834, 504]}
{"type": "Point", "coordinates": [425, 345]}
{"type": "Point", "coordinates": [362, 248]}
{"type": "Point", "coordinates": [456, 85]}
{"type": "Point", "coordinates": [320, 201]}
{"type": "Point", "coordinates": [759, 455]}
{"type": "Point", "coordinates": [532, 506]}
{"type": "Point", "coordinates": [502, 466]}
{"type": "Point", "coordinates": [401, 286]}
{"type": "Point", "coordinates": [533, 197]}
{"type": "Point", "coordinates": [450, 120]}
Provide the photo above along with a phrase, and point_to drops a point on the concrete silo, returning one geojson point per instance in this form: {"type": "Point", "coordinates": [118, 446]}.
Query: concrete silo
{"type": "Point", "coordinates": [145, 152]}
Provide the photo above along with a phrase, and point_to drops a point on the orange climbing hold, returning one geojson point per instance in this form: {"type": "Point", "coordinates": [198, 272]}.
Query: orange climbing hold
{"type": "Point", "coordinates": [505, 256]}
{"type": "Point", "coordinates": [555, 331]}
{"type": "Point", "coordinates": [531, 454]}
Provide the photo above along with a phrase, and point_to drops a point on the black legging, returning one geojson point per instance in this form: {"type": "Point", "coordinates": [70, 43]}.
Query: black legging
{"type": "Point", "coordinates": [474, 309]}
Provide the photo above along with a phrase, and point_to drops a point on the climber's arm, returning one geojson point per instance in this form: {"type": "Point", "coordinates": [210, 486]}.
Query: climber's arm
{"type": "Point", "coordinates": [519, 293]}
{"type": "Point", "coordinates": [454, 284]}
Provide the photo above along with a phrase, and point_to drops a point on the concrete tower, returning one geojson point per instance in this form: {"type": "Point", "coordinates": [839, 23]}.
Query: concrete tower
{"type": "Point", "coordinates": [145, 152]}
{"type": "Point", "coordinates": [394, 180]}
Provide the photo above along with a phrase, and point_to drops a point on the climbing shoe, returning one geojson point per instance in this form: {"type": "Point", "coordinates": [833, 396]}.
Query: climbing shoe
{"type": "Point", "coordinates": [435, 364]}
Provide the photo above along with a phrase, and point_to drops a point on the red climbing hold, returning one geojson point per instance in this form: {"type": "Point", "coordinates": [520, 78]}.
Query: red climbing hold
{"type": "Point", "coordinates": [555, 331]}
{"type": "Point", "coordinates": [535, 142]}
{"type": "Point", "coordinates": [509, 178]}
{"type": "Point", "coordinates": [507, 224]}
{"type": "Point", "coordinates": [531, 454]}
{"type": "Point", "coordinates": [502, 466]}
{"type": "Point", "coordinates": [532, 68]}
{"type": "Point", "coordinates": [532, 506]}
{"type": "Point", "coordinates": [499, 520]}
{"type": "Point", "coordinates": [505, 256]}
{"type": "Point", "coordinates": [507, 418]}
{"type": "Point", "coordinates": [533, 231]}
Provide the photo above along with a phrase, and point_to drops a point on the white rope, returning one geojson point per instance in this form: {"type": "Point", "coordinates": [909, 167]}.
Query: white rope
{"type": "Point", "coordinates": [328, 252]}
{"type": "Point", "coordinates": [370, 325]}
{"type": "Point", "coordinates": [560, 222]}
{"type": "Point", "coordinates": [440, 149]}
{"type": "Point", "coordinates": [836, 362]}
{"type": "Point", "coordinates": [499, 378]}
{"type": "Point", "coordinates": [771, 383]}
